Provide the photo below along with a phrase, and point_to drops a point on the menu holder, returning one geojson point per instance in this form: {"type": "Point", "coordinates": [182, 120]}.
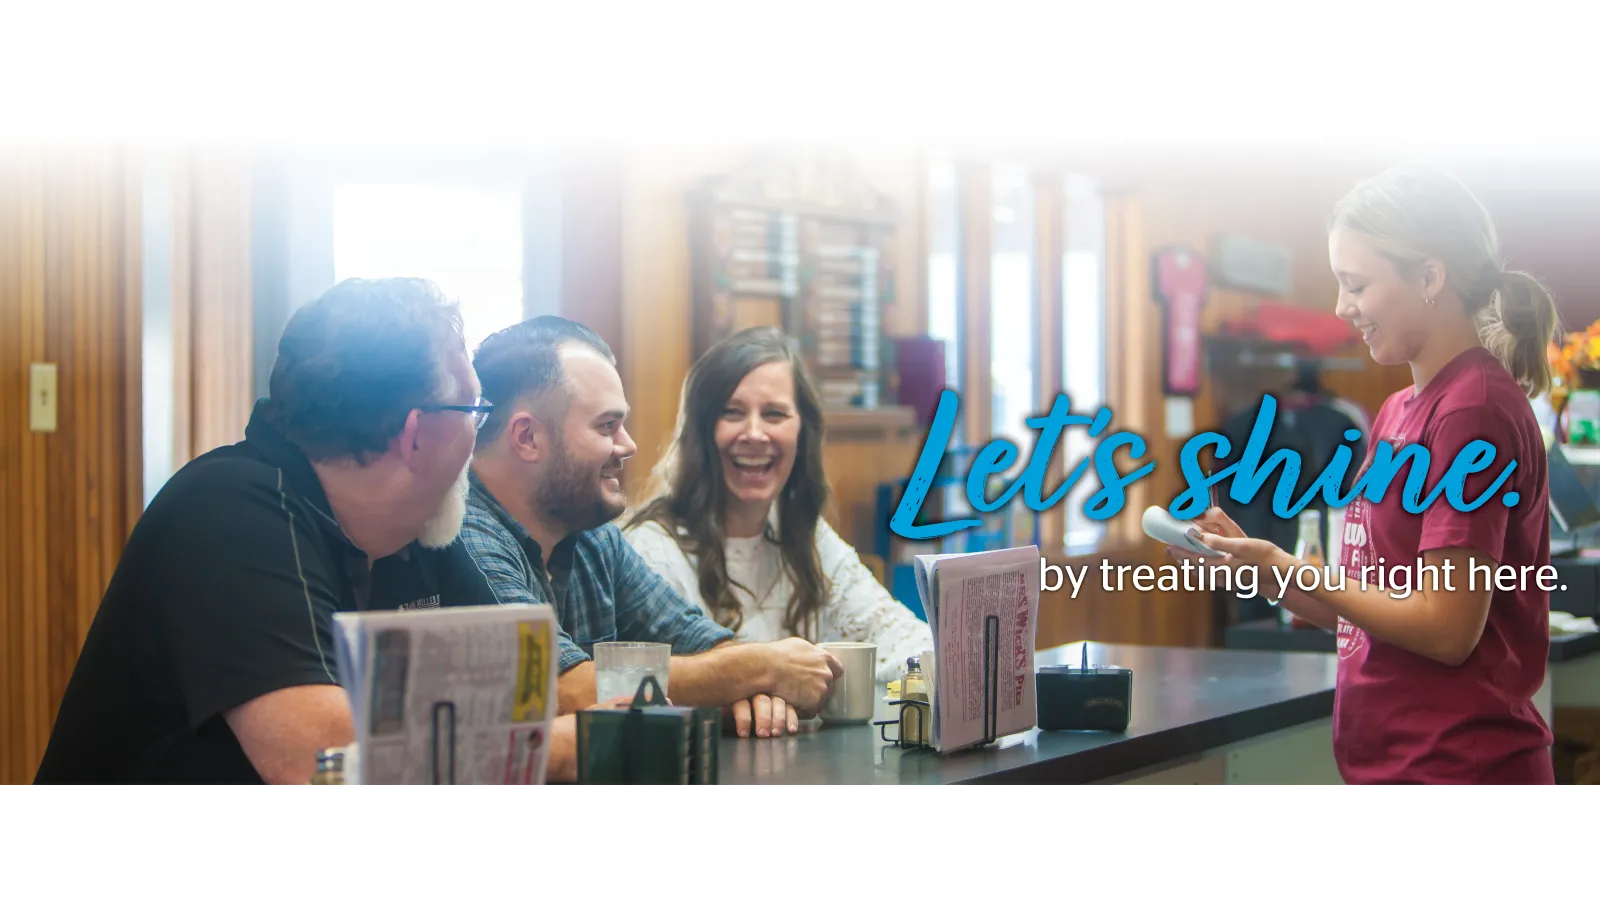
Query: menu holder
{"type": "Point", "coordinates": [919, 708]}
{"type": "Point", "coordinates": [1084, 698]}
{"type": "Point", "coordinates": [460, 695]}
{"type": "Point", "coordinates": [983, 610]}
{"type": "Point", "coordinates": [650, 742]}
{"type": "Point", "coordinates": [448, 749]}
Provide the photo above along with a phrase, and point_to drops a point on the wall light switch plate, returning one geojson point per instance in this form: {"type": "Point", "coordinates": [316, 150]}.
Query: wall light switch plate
{"type": "Point", "coordinates": [42, 396]}
{"type": "Point", "coordinates": [1180, 417]}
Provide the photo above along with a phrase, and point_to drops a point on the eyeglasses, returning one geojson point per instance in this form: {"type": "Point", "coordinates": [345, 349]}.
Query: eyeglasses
{"type": "Point", "coordinates": [479, 411]}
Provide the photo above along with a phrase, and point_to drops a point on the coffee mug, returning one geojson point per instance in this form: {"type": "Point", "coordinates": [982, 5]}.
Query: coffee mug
{"type": "Point", "coordinates": [855, 693]}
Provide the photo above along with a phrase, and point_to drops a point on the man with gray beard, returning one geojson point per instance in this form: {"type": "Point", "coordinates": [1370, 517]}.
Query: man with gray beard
{"type": "Point", "coordinates": [211, 656]}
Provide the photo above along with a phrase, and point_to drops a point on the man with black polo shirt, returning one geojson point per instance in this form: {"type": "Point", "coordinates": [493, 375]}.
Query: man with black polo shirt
{"type": "Point", "coordinates": [211, 657]}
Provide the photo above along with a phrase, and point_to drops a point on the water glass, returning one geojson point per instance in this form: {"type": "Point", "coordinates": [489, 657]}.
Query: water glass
{"type": "Point", "coordinates": [620, 666]}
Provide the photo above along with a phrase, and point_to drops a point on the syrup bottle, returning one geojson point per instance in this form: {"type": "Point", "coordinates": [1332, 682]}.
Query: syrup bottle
{"type": "Point", "coordinates": [1308, 548]}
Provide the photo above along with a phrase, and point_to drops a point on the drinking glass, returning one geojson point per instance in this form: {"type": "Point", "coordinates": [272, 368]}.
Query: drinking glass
{"type": "Point", "coordinates": [619, 667]}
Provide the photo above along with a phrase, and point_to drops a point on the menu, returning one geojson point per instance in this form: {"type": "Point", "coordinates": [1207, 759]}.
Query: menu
{"type": "Point", "coordinates": [461, 695]}
{"type": "Point", "coordinates": [984, 612]}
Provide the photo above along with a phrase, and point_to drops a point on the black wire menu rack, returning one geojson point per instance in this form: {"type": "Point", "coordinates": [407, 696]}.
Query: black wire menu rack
{"type": "Point", "coordinates": [920, 712]}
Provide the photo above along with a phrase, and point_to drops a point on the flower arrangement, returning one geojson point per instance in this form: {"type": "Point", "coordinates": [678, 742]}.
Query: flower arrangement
{"type": "Point", "coordinates": [1570, 359]}
{"type": "Point", "coordinates": [1575, 367]}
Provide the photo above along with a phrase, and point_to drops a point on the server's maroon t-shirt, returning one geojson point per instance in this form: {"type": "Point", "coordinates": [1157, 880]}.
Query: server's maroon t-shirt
{"type": "Point", "coordinates": [1400, 717]}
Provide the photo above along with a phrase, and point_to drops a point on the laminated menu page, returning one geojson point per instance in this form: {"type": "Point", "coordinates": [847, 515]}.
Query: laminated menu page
{"type": "Point", "coordinates": [983, 609]}
{"type": "Point", "coordinates": [460, 695]}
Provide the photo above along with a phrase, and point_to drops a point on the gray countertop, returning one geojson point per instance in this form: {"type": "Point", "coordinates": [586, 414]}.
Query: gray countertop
{"type": "Point", "coordinates": [1185, 701]}
{"type": "Point", "coordinates": [1268, 634]}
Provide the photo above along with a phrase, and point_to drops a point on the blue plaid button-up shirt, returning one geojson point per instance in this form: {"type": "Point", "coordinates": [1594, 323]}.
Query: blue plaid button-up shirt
{"type": "Point", "coordinates": [602, 590]}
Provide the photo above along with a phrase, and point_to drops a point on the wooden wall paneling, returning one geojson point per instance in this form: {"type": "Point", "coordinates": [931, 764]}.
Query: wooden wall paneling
{"type": "Point", "coordinates": [16, 641]}
{"type": "Point", "coordinates": [65, 308]}
{"type": "Point", "coordinates": [1137, 393]}
{"type": "Point", "coordinates": [863, 450]}
{"type": "Point", "coordinates": [912, 295]}
{"type": "Point", "coordinates": [976, 285]}
{"type": "Point", "coordinates": [1081, 618]}
{"type": "Point", "coordinates": [209, 311]}
{"type": "Point", "coordinates": [655, 299]}
{"type": "Point", "coordinates": [35, 526]}
{"type": "Point", "coordinates": [1370, 386]}
{"type": "Point", "coordinates": [181, 317]}
{"type": "Point", "coordinates": [226, 262]}
{"type": "Point", "coordinates": [67, 498]}
{"type": "Point", "coordinates": [63, 557]}
{"type": "Point", "coordinates": [16, 498]}
{"type": "Point", "coordinates": [1133, 373]}
{"type": "Point", "coordinates": [10, 393]}
{"type": "Point", "coordinates": [212, 284]}
{"type": "Point", "coordinates": [1132, 392]}
{"type": "Point", "coordinates": [1049, 204]}
{"type": "Point", "coordinates": [20, 334]}
{"type": "Point", "coordinates": [127, 288]}
{"type": "Point", "coordinates": [591, 246]}
{"type": "Point", "coordinates": [132, 372]}
{"type": "Point", "coordinates": [72, 471]}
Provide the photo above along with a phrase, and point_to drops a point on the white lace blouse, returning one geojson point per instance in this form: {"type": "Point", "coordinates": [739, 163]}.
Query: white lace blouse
{"type": "Point", "coordinates": [858, 608]}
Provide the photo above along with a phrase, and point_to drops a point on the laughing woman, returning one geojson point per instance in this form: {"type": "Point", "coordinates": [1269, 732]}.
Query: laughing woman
{"type": "Point", "coordinates": [735, 520]}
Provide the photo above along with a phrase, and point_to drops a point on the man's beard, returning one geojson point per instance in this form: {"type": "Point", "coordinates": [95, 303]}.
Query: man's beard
{"type": "Point", "coordinates": [444, 526]}
{"type": "Point", "coordinates": [571, 495]}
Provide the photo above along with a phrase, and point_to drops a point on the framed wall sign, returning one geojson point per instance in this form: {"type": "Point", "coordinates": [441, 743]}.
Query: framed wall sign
{"type": "Point", "coordinates": [804, 242]}
{"type": "Point", "coordinates": [1251, 265]}
{"type": "Point", "coordinates": [1180, 287]}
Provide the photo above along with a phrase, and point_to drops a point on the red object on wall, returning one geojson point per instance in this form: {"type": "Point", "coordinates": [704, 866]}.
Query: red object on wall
{"type": "Point", "coordinates": [919, 362]}
{"type": "Point", "coordinates": [1319, 332]}
{"type": "Point", "coordinates": [1180, 282]}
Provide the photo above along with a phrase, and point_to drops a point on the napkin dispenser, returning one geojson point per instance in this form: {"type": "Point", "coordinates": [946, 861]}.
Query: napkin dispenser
{"type": "Point", "coordinates": [649, 742]}
{"type": "Point", "coordinates": [1084, 698]}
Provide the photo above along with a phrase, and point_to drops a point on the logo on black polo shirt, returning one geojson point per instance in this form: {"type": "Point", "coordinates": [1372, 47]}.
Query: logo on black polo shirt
{"type": "Point", "coordinates": [424, 603]}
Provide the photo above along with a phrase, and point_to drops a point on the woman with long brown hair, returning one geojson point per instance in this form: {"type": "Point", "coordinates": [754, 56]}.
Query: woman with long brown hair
{"type": "Point", "coordinates": [735, 520]}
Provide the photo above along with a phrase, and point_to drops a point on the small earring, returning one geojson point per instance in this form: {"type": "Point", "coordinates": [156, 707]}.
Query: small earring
{"type": "Point", "coordinates": [1426, 300]}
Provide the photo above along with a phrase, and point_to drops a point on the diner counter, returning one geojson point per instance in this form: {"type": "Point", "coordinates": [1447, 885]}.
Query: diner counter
{"type": "Point", "coordinates": [1268, 634]}
{"type": "Point", "coordinates": [1572, 677]}
{"type": "Point", "coordinates": [1189, 704]}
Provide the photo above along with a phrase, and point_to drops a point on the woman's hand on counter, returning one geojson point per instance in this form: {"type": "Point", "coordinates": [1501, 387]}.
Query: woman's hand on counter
{"type": "Point", "coordinates": [764, 716]}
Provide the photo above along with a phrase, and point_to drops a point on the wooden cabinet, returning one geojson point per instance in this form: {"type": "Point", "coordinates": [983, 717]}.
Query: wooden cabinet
{"type": "Point", "coordinates": [801, 242]}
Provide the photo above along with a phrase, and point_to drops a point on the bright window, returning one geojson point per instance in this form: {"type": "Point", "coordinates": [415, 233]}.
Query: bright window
{"type": "Point", "coordinates": [468, 241]}
{"type": "Point", "coordinates": [944, 271]}
{"type": "Point", "coordinates": [1083, 342]}
{"type": "Point", "coordinates": [1013, 335]}
{"type": "Point", "coordinates": [1015, 356]}
{"type": "Point", "coordinates": [1013, 331]}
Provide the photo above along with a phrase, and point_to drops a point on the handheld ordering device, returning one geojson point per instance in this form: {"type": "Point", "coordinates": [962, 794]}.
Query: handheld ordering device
{"type": "Point", "coordinates": [1159, 524]}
